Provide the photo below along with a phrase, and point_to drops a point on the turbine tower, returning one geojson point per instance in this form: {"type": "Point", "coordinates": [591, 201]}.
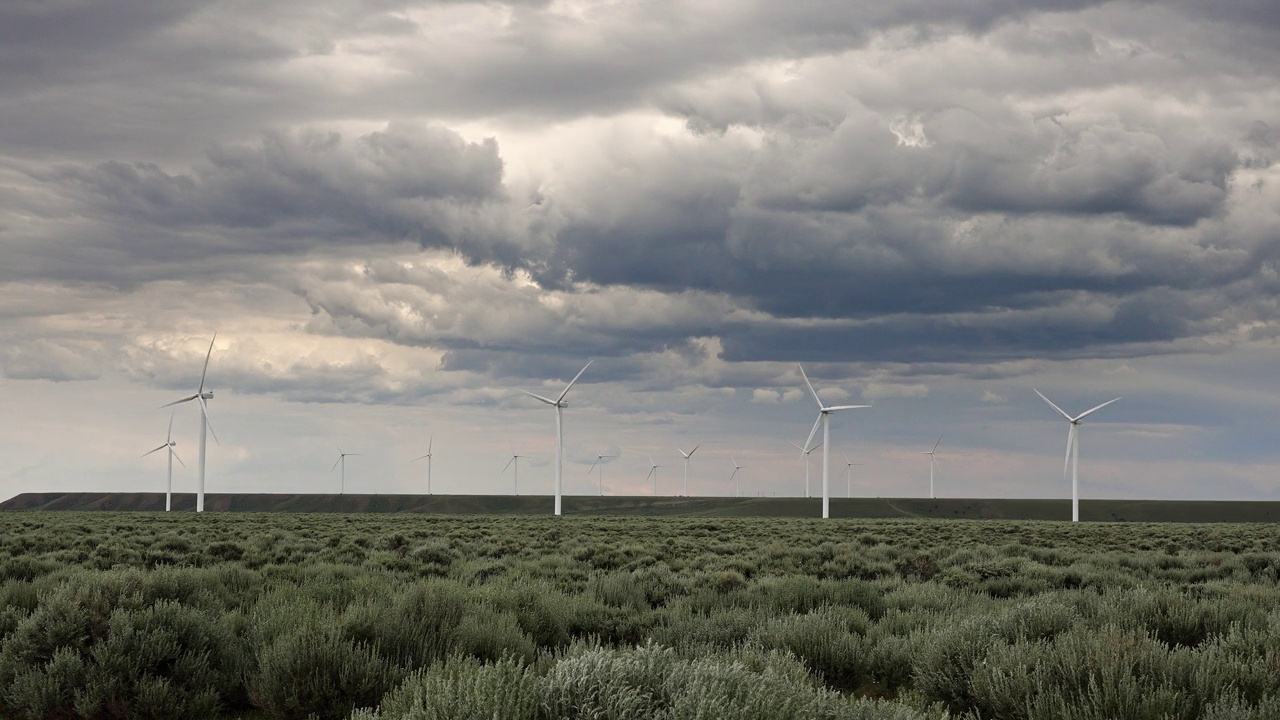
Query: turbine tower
{"type": "Point", "coordinates": [515, 475]}
{"type": "Point", "coordinates": [734, 477]}
{"type": "Point", "coordinates": [559, 404]}
{"type": "Point", "coordinates": [427, 457]}
{"type": "Point", "coordinates": [593, 467]}
{"type": "Point", "coordinates": [168, 443]}
{"type": "Point", "coordinates": [824, 417]}
{"type": "Point", "coordinates": [688, 455]}
{"type": "Point", "coordinates": [1073, 450]}
{"type": "Point", "coordinates": [932, 463]}
{"type": "Point", "coordinates": [342, 459]}
{"type": "Point", "coordinates": [653, 473]}
{"type": "Point", "coordinates": [805, 453]}
{"type": "Point", "coordinates": [206, 427]}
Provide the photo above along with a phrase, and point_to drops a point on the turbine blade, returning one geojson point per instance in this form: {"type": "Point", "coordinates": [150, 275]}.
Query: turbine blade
{"type": "Point", "coordinates": [844, 407]}
{"type": "Point", "coordinates": [169, 435]}
{"type": "Point", "coordinates": [806, 382]}
{"type": "Point", "coordinates": [847, 461]}
{"type": "Point", "coordinates": [539, 397]}
{"type": "Point", "coordinates": [812, 432]}
{"type": "Point", "coordinates": [795, 446]}
{"type": "Point", "coordinates": [156, 450]}
{"type": "Point", "coordinates": [206, 364]}
{"type": "Point", "coordinates": [1055, 407]}
{"type": "Point", "coordinates": [335, 464]}
{"type": "Point", "coordinates": [204, 408]}
{"type": "Point", "coordinates": [1087, 413]}
{"type": "Point", "coordinates": [695, 449]}
{"type": "Point", "coordinates": [652, 470]}
{"type": "Point", "coordinates": [424, 457]}
{"type": "Point", "coordinates": [175, 457]}
{"type": "Point", "coordinates": [593, 466]}
{"type": "Point", "coordinates": [430, 442]}
{"type": "Point", "coordinates": [935, 445]}
{"type": "Point", "coordinates": [513, 459]}
{"type": "Point", "coordinates": [1066, 464]}
{"type": "Point", "coordinates": [179, 402]}
{"type": "Point", "coordinates": [574, 380]}
{"type": "Point", "coordinates": [733, 475]}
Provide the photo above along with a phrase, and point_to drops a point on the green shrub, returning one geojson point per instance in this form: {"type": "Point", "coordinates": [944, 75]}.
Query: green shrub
{"type": "Point", "coordinates": [314, 671]}
{"type": "Point", "coordinates": [461, 688]}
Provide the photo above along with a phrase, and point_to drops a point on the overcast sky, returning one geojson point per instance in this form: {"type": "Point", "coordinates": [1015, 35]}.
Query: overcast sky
{"type": "Point", "coordinates": [398, 215]}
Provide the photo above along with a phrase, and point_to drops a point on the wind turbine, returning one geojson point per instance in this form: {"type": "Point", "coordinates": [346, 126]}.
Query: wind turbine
{"type": "Point", "coordinates": [932, 462]}
{"type": "Point", "coordinates": [688, 455]}
{"type": "Point", "coordinates": [206, 427]}
{"type": "Point", "coordinates": [559, 404]}
{"type": "Point", "coordinates": [824, 417]}
{"type": "Point", "coordinates": [848, 475]}
{"type": "Point", "coordinates": [515, 474]}
{"type": "Point", "coordinates": [428, 459]}
{"type": "Point", "coordinates": [734, 476]}
{"type": "Point", "coordinates": [593, 467]}
{"type": "Point", "coordinates": [806, 463]}
{"type": "Point", "coordinates": [168, 443]}
{"type": "Point", "coordinates": [653, 473]}
{"type": "Point", "coordinates": [342, 458]}
{"type": "Point", "coordinates": [1073, 450]}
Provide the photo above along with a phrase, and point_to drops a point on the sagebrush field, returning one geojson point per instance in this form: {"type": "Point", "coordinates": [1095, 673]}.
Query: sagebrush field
{"type": "Point", "coordinates": [114, 615]}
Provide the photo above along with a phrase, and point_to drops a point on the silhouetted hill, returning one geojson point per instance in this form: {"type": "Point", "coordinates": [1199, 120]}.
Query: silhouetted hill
{"type": "Point", "coordinates": [943, 508]}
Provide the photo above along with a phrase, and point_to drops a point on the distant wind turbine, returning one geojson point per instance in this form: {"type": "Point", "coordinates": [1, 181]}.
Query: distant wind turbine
{"type": "Point", "coordinates": [653, 473]}
{"type": "Point", "coordinates": [1073, 450]}
{"type": "Point", "coordinates": [559, 404]}
{"type": "Point", "coordinates": [688, 455]}
{"type": "Point", "coordinates": [824, 417]}
{"type": "Point", "coordinates": [515, 474]}
{"type": "Point", "coordinates": [848, 475]}
{"type": "Point", "coordinates": [593, 467]}
{"type": "Point", "coordinates": [734, 477]}
{"type": "Point", "coordinates": [427, 457]}
{"type": "Point", "coordinates": [342, 460]}
{"type": "Point", "coordinates": [168, 443]}
{"type": "Point", "coordinates": [805, 454]}
{"type": "Point", "coordinates": [932, 463]}
{"type": "Point", "coordinates": [206, 427]}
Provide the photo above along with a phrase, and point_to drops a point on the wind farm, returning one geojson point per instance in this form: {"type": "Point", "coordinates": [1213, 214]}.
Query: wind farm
{"type": "Point", "coordinates": [767, 501]}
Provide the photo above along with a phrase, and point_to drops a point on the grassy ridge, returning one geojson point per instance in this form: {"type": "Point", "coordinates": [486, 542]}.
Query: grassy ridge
{"type": "Point", "coordinates": [886, 508]}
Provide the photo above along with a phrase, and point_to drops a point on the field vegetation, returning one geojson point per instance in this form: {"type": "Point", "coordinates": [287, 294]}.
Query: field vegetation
{"type": "Point", "coordinates": [389, 617]}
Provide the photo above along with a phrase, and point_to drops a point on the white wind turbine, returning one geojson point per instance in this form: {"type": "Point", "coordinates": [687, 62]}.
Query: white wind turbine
{"type": "Point", "coordinates": [206, 427]}
{"type": "Point", "coordinates": [734, 477]}
{"type": "Point", "coordinates": [653, 473]}
{"type": "Point", "coordinates": [342, 460]}
{"type": "Point", "coordinates": [688, 455]}
{"type": "Point", "coordinates": [168, 443]}
{"type": "Point", "coordinates": [805, 454]}
{"type": "Point", "coordinates": [559, 404]}
{"type": "Point", "coordinates": [824, 417]}
{"type": "Point", "coordinates": [932, 463]}
{"type": "Point", "coordinates": [427, 457]}
{"type": "Point", "coordinates": [1073, 450]}
{"type": "Point", "coordinates": [848, 475]}
{"type": "Point", "coordinates": [593, 467]}
{"type": "Point", "coordinates": [515, 474]}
